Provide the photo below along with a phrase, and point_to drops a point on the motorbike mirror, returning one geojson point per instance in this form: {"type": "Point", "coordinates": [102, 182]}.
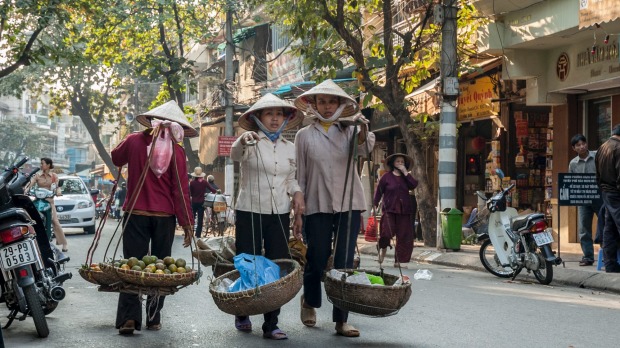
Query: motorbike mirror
{"type": "Point", "coordinates": [53, 187]}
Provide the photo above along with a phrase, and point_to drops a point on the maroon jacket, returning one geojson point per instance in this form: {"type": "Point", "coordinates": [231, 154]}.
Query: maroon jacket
{"type": "Point", "coordinates": [395, 193]}
{"type": "Point", "coordinates": [169, 194]}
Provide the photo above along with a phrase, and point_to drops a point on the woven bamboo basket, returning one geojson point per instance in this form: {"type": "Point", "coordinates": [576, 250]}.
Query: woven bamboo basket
{"type": "Point", "coordinates": [105, 277]}
{"type": "Point", "coordinates": [266, 298]}
{"type": "Point", "coordinates": [152, 279]}
{"type": "Point", "coordinates": [87, 274]}
{"type": "Point", "coordinates": [371, 300]}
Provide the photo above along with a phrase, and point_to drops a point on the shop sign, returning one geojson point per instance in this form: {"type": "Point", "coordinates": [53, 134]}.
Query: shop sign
{"type": "Point", "coordinates": [592, 12]}
{"type": "Point", "coordinates": [224, 143]}
{"type": "Point", "coordinates": [577, 189]}
{"type": "Point", "coordinates": [475, 99]}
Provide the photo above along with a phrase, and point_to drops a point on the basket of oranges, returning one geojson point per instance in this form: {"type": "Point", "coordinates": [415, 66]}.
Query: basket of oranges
{"type": "Point", "coordinates": [150, 271]}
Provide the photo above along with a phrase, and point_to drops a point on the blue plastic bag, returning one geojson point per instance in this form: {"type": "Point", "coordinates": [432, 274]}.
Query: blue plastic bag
{"type": "Point", "coordinates": [254, 270]}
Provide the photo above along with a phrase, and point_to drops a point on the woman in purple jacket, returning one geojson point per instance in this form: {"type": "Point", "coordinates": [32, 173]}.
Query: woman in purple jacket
{"type": "Point", "coordinates": [398, 208]}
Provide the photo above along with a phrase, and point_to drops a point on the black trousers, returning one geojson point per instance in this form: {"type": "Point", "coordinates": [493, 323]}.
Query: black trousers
{"type": "Point", "coordinates": [198, 209]}
{"type": "Point", "coordinates": [271, 231]}
{"type": "Point", "coordinates": [611, 238]}
{"type": "Point", "coordinates": [320, 229]}
{"type": "Point", "coordinates": [140, 232]}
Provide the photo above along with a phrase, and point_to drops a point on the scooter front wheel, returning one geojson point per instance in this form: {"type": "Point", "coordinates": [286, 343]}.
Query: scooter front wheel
{"type": "Point", "coordinates": [491, 262]}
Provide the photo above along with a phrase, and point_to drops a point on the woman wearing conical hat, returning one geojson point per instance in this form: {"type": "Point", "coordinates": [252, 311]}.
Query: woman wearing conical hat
{"type": "Point", "coordinates": [323, 157]}
{"type": "Point", "coordinates": [267, 184]}
{"type": "Point", "coordinates": [153, 206]}
{"type": "Point", "coordinates": [397, 207]}
{"type": "Point", "coordinates": [198, 187]}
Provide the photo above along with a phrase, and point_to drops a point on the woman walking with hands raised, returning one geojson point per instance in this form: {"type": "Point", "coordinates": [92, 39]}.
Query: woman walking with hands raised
{"type": "Point", "coordinates": [326, 168]}
{"type": "Point", "coordinates": [267, 185]}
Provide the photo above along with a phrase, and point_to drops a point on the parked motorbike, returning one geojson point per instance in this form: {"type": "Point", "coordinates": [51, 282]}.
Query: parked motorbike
{"type": "Point", "coordinates": [515, 242]}
{"type": "Point", "coordinates": [216, 206]}
{"type": "Point", "coordinates": [100, 207]}
{"type": "Point", "coordinates": [32, 269]}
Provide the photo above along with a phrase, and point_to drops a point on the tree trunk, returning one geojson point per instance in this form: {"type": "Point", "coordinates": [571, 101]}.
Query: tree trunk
{"type": "Point", "coordinates": [192, 157]}
{"type": "Point", "coordinates": [93, 130]}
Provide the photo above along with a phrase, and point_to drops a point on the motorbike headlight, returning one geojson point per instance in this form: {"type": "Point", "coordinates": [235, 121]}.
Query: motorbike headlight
{"type": "Point", "coordinates": [83, 205]}
{"type": "Point", "coordinates": [40, 194]}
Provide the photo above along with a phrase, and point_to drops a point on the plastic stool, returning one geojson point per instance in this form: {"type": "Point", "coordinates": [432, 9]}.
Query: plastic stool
{"type": "Point", "coordinates": [600, 264]}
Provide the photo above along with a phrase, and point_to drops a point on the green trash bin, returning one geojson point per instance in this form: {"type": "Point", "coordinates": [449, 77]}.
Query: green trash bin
{"type": "Point", "coordinates": [451, 226]}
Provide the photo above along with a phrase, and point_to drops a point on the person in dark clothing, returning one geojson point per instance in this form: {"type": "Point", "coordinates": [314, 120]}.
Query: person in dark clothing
{"type": "Point", "coordinates": [398, 208]}
{"type": "Point", "coordinates": [608, 179]}
{"type": "Point", "coordinates": [197, 189]}
{"type": "Point", "coordinates": [153, 204]}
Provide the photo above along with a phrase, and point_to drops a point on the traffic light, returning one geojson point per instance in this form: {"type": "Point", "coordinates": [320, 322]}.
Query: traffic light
{"type": "Point", "coordinates": [472, 165]}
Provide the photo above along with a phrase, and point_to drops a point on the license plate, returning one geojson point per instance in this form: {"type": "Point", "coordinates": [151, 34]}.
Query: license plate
{"type": "Point", "coordinates": [219, 206]}
{"type": "Point", "coordinates": [543, 238]}
{"type": "Point", "coordinates": [64, 217]}
{"type": "Point", "coordinates": [18, 254]}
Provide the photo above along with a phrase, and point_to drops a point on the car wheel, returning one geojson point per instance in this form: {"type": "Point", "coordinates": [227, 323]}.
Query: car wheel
{"type": "Point", "coordinates": [89, 229]}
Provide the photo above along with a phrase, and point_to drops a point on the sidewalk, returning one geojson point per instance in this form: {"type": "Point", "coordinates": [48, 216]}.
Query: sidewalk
{"type": "Point", "coordinates": [570, 273]}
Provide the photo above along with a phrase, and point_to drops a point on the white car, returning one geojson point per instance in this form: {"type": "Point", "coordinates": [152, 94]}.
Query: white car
{"type": "Point", "coordinates": [75, 208]}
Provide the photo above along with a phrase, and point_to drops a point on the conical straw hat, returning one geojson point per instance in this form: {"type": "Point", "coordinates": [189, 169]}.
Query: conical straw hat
{"type": "Point", "coordinates": [271, 101]}
{"type": "Point", "coordinates": [326, 87]}
{"type": "Point", "coordinates": [389, 161]}
{"type": "Point", "coordinates": [169, 111]}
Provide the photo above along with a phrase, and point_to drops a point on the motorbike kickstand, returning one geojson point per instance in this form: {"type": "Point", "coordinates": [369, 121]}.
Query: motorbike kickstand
{"type": "Point", "coordinates": [11, 317]}
{"type": "Point", "coordinates": [515, 273]}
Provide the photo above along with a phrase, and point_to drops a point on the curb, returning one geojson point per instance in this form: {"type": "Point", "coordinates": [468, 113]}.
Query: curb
{"type": "Point", "coordinates": [595, 280]}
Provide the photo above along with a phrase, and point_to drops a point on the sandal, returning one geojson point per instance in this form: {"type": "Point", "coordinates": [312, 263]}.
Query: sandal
{"type": "Point", "coordinates": [347, 330]}
{"type": "Point", "coordinates": [244, 325]}
{"type": "Point", "coordinates": [154, 327]}
{"type": "Point", "coordinates": [308, 315]}
{"type": "Point", "coordinates": [127, 328]}
{"type": "Point", "coordinates": [276, 334]}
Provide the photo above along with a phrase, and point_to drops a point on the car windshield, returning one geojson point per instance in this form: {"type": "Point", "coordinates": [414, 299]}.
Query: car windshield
{"type": "Point", "coordinates": [72, 187]}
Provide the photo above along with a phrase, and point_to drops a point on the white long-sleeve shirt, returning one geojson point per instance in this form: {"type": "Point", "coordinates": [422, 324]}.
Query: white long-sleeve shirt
{"type": "Point", "coordinates": [267, 181]}
{"type": "Point", "coordinates": [321, 168]}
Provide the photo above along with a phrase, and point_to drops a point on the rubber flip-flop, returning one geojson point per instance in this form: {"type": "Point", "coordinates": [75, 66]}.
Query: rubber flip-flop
{"type": "Point", "coordinates": [276, 334]}
{"type": "Point", "coordinates": [347, 330]}
{"type": "Point", "coordinates": [244, 325]}
{"type": "Point", "coordinates": [308, 315]}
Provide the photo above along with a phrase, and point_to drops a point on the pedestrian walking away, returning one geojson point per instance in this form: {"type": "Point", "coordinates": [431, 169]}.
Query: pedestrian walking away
{"type": "Point", "coordinates": [398, 208]}
{"type": "Point", "coordinates": [267, 184]}
{"type": "Point", "coordinates": [47, 179]}
{"type": "Point", "coordinates": [608, 179]}
{"type": "Point", "coordinates": [197, 189]}
{"type": "Point", "coordinates": [119, 200]}
{"type": "Point", "coordinates": [323, 158]}
{"type": "Point", "coordinates": [155, 204]}
{"type": "Point", "coordinates": [584, 163]}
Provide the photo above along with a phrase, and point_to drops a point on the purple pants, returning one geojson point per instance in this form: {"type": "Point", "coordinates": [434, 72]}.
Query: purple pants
{"type": "Point", "coordinates": [401, 227]}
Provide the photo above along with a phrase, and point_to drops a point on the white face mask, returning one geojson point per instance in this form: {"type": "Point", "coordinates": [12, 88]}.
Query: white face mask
{"type": "Point", "coordinates": [334, 117]}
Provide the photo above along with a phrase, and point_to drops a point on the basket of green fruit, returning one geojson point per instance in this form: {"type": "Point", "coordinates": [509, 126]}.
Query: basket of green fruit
{"type": "Point", "coordinates": [153, 272]}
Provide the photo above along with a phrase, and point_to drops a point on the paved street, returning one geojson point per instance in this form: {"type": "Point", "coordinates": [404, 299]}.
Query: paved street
{"type": "Point", "coordinates": [457, 308]}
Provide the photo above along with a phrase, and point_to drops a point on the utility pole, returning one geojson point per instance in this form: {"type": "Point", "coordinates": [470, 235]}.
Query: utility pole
{"type": "Point", "coordinates": [229, 174]}
{"type": "Point", "coordinates": [447, 128]}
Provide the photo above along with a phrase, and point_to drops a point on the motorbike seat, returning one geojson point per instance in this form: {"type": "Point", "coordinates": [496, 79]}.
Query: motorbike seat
{"type": "Point", "coordinates": [521, 223]}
